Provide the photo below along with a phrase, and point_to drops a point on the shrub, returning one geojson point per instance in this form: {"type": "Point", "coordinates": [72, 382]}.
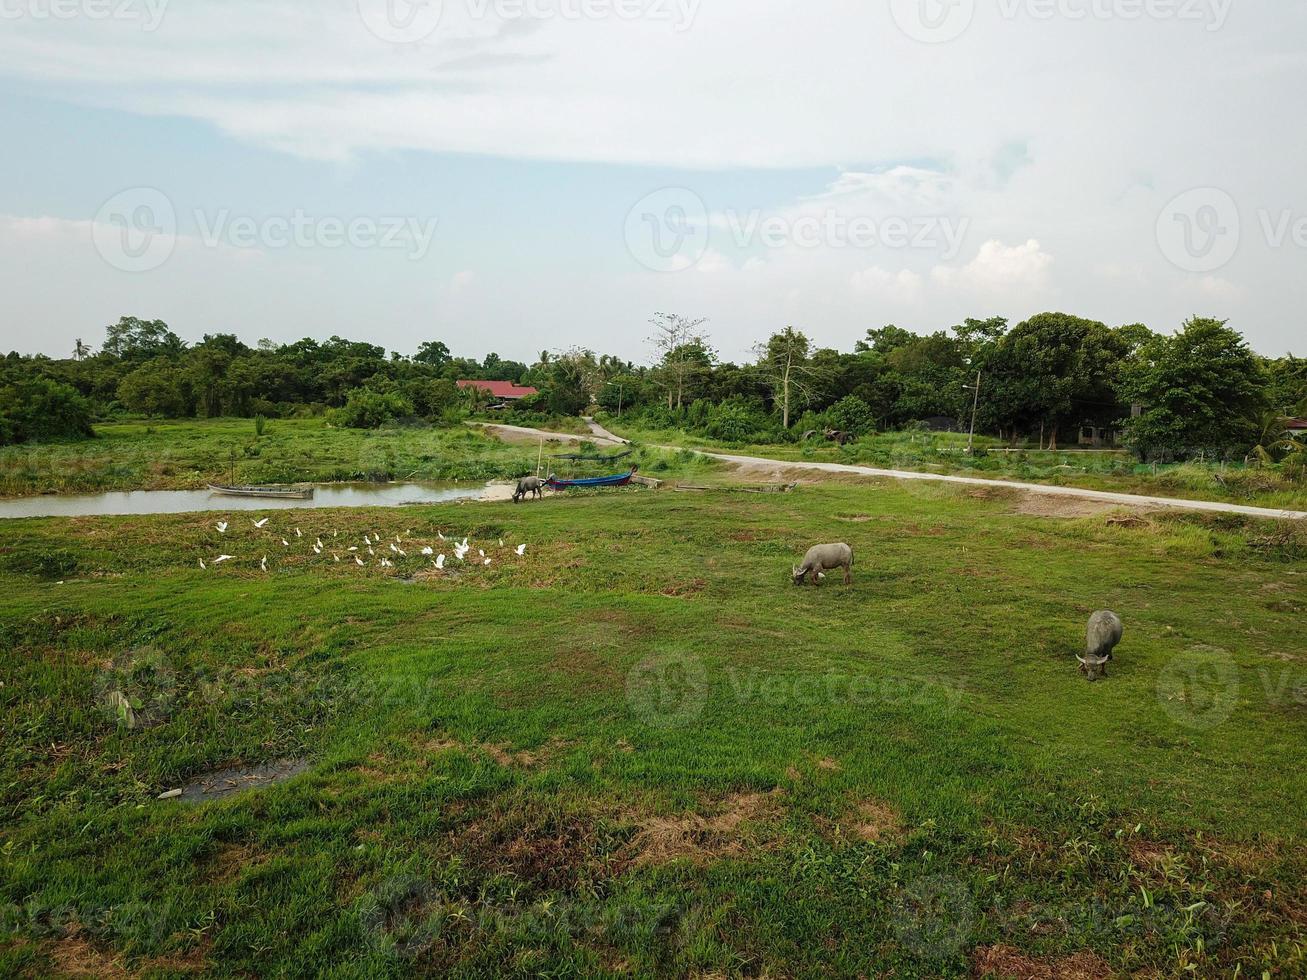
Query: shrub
{"type": "Point", "coordinates": [43, 409]}
{"type": "Point", "coordinates": [365, 409]}
{"type": "Point", "coordinates": [850, 414]}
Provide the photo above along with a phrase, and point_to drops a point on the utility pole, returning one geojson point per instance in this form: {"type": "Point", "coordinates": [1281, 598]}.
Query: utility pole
{"type": "Point", "coordinates": [975, 404]}
{"type": "Point", "coordinates": [618, 386]}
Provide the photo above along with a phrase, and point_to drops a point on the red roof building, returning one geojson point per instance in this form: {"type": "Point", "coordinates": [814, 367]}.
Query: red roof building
{"type": "Point", "coordinates": [503, 390]}
{"type": "Point", "coordinates": [1296, 425]}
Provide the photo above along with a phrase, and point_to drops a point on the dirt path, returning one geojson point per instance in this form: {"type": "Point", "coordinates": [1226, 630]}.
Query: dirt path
{"type": "Point", "coordinates": [599, 436]}
{"type": "Point", "coordinates": [602, 435]}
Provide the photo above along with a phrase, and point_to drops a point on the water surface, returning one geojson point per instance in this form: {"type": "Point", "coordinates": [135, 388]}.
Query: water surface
{"type": "Point", "coordinates": [189, 501]}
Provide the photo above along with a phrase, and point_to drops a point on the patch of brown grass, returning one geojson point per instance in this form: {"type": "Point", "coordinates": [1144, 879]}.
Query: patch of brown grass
{"type": "Point", "coordinates": [725, 831]}
{"type": "Point", "coordinates": [230, 860]}
{"type": "Point", "coordinates": [868, 820]}
{"type": "Point", "coordinates": [679, 590]}
{"type": "Point", "coordinates": [1034, 504]}
{"type": "Point", "coordinates": [1011, 964]}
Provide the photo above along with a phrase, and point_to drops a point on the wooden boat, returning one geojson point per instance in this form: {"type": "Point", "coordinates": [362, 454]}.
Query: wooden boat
{"type": "Point", "coordinates": [282, 493]}
{"type": "Point", "coordinates": [617, 480]}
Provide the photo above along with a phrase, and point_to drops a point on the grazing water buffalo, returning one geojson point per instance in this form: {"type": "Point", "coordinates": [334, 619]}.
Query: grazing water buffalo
{"type": "Point", "coordinates": [823, 557]}
{"type": "Point", "coordinates": [530, 484]}
{"type": "Point", "coordinates": [1103, 635]}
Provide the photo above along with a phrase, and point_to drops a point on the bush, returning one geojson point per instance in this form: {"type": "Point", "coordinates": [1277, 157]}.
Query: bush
{"type": "Point", "coordinates": [43, 409]}
{"type": "Point", "coordinates": [365, 409]}
{"type": "Point", "coordinates": [732, 421]}
{"type": "Point", "coordinates": [850, 414]}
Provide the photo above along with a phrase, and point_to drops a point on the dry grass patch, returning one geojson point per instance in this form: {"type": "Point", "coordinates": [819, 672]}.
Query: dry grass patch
{"type": "Point", "coordinates": [1034, 504]}
{"type": "Point", "coordinates": [727, 831]}
{"type": "Point", "coordinates": [870, 820]}
{"type": "Point", "coordinates": [1012, 964]}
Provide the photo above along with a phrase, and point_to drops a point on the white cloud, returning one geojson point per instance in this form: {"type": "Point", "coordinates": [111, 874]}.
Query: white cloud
{"type": "Point", "coordinates": [998, 269]}
{"type": "Point", "coordinates": [869, 122]}
{"type": "Point", "coordinates": [901, 288]}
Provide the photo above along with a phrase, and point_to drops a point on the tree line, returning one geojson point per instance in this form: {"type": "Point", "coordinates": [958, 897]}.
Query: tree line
{"type": "Point", "coordinates": [1200, 390]}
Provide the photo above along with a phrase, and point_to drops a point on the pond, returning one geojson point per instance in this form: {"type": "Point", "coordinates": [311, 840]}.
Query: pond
{"type": "Point", "coordinates": [188, 501]}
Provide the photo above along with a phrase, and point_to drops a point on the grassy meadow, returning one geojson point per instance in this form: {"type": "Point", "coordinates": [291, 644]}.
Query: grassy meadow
{"type": "Point", "coordinates": [638, 749]}
{"type": "Point", "coordinates": [188, 454]}
{"type": "Point", "coordinates": [945, 452]}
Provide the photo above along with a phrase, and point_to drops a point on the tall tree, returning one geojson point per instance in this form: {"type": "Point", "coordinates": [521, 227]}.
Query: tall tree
{"type": "Point", "coordinates": [80, 350]}
{"type": "Point", "coordinates": [133, 339]}
{"type": "Point", "coordinates": [683, 353]}
{"type": "Point", "coordinates": [1053, 372]}
{"type": "Point", "coordinates": [785, 366]}
{"type": "Point", "coordinates": [1202, 392]}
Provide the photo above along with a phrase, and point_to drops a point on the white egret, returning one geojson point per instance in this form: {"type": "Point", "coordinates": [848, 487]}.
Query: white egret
{"type": "Point", "coordinates": [202, 565]}
{"type": "Point", "coordinates": [440, 562]}
{"type": "Point", "coordinates": [428, 551]}
{"type": "Point", "coordinates": [285, 543]}
{"type": "Point", "coordinates": [261, 523]}
{"type": "Point", "coordinates": [263, 565]}
{"type": "Point", "coordinates": [358, 560]}
{"type": "Point", "coordinates": [222, 527]}
{"type": "Point", "coordinates": [222, 558]}
{"type": "Point", "coordinates": [521, 550]}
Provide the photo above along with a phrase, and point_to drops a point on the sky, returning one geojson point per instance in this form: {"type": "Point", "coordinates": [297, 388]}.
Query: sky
{"type": "Point", "coordinates": [525, 175]}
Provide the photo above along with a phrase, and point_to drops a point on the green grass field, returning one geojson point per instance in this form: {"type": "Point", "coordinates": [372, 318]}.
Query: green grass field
{"type": "Point", "coordinates": [945, 452]}
{"type": "Point", "coordinates": [639, 749]}
{"type": "Point", "coordinates": [189, 454]}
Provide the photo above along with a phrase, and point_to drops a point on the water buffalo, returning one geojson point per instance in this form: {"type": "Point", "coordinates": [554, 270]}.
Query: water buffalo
{"type": "Point", "coordinates": [823, 557]}
{"type": "Point", "coordinates": [530, 484]}
{"type": "Point", "coordinates": [1103, 635]}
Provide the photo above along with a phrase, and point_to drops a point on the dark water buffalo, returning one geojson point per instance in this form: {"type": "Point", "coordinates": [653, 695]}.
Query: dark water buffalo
{"type": "Point", "coordinates": [1101, 638]}
{"type": "Point", "coordinates": [529, 484]}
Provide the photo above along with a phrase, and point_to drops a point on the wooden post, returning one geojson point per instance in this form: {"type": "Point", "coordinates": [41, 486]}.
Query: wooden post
{"type": "Point", "coordinates": [540, 457]}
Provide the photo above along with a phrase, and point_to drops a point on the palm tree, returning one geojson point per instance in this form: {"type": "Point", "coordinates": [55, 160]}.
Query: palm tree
{"type": "Point", "coordinates": [80, 350]}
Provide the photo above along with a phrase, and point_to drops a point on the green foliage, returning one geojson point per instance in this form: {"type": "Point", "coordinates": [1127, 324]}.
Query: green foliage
{"type": "Point", "coordinates": [134, 339]}
{"type": "Point", "coordinates": [41, 409]}
{"type": "Point", "coordinates": [156, 389]}
{"type": "Point", "coordinates": [851, 414]}
{"type": "Point", "coordinates": [1202, 393]}
{"type": "Point", "coordinates": [366, 409]}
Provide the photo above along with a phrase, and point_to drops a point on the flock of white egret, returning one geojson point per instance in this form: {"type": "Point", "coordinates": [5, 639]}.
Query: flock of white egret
{"type": "Point", "coordinates": [378, 551]}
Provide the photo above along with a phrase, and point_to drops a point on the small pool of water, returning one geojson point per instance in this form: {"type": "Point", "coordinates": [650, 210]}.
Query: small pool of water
{"type": "Point", "coordinates": [189, 501]}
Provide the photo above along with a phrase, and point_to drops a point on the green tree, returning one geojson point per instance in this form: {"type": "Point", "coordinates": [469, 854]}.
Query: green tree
{"type": "Point", "coordinates": [133, 339]}
{"type": "Point", "coordinates": [1202, 391]}
{"type": "Point", "coordinates": [40, 408]}
{"type": "Point", "coordinates": [155, 389]}
{"type": "Point", "coordinates": [433, 352]}
{"type": "Point", "coordinates": [850, 414]}
{"type": "Point", "coordinates": [1053, 372]}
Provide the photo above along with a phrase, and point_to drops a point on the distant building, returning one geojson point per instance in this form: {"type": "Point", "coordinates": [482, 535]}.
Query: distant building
{"type": "Point", "coordinates": [501, 391]}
